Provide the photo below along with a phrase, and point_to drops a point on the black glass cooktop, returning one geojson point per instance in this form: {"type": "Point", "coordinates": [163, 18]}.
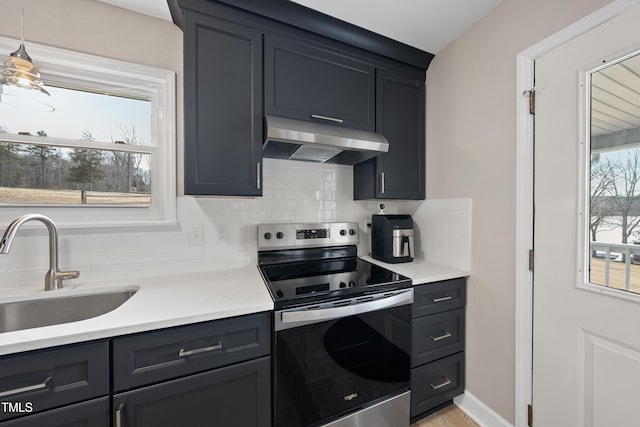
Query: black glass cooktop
{"type": "Point", "coordinates": [304, 281]}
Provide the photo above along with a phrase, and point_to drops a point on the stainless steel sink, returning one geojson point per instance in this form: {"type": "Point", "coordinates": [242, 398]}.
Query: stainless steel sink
{"type": "Point", "coordinates": [33, 313]}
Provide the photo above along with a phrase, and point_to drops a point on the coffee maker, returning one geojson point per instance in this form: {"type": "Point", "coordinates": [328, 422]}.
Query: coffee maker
{"type": "Point", "coordinates": [392, 238]}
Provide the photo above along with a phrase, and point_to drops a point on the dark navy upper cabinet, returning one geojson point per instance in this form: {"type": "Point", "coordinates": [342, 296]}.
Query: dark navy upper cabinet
{"type": "Point", "coordinates": [223, 107]}
{"type": "Point", "coordinates": [400, 117]}
{"type": "Point", "coordinates": [244, 59]}
{"type": "Point", "coordinates": [315, 83]}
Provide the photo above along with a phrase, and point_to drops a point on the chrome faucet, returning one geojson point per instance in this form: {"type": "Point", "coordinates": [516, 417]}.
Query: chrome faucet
{"type": "Point", "coordinates": [54, 277]}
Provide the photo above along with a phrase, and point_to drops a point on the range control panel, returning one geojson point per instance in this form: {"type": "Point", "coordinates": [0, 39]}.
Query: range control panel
{"type": "Point", "coordinates": [312, 233]}
{"type": "Point", "coordinates": [290, 236]}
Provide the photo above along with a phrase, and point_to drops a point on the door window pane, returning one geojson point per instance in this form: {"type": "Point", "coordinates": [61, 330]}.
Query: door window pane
{"type": "Point", "coordinates": [614, 203]}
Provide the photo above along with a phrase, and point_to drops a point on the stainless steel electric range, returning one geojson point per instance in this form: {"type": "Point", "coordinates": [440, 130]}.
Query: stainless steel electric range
{"type": "Point", "coordinates": [341, 347]}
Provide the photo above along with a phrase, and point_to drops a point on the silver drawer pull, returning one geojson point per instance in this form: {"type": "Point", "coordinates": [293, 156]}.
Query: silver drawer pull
{"type": "Point", "coordinates": [444, 383]}
{"type": "Point", "coordinates": [258, 175]}
{"type": "Point", "coordinates": [331, 119]}
{"type": "Point", "coordinates": [184, 353]}
{"type": "Point", "coordinates": [38, 386]}
{"type": "Point", "coordinates": [119, 415]}
{"type": "Point", "coordinates": [441, 337]}
{"type": "Point", "coordinates": [442, 299]}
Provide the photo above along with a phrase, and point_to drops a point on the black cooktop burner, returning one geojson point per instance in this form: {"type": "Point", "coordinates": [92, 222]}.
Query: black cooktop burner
{"type": "Point", "coordinates": [330, 277]}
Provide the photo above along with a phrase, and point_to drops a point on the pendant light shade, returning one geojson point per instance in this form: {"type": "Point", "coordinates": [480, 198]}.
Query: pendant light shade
{"type": "Point", "coordinates": [19, 70]}
{"type": "Point", "coordinates": [20, 82]}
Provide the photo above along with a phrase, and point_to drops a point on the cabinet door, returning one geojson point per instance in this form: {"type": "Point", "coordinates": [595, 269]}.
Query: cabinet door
{"type": "Point", "coordinates": [400, 117]}
{"type": "Point", "coordinates": [94, 413]}
{"type": "Point", "coordinates": [223, 108]}
{"type": "Point", "coordinates": [237, 395]}
{"type": "Point", "coordinates": [313, 83]}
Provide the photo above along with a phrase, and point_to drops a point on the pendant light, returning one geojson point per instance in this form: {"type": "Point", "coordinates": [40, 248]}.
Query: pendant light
{"type": "Point", "coordinates": [20, 82]}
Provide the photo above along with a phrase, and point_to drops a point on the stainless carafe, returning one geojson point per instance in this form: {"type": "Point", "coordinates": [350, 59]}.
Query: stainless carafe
{"type": "Point", "coordinates": [403, 243]}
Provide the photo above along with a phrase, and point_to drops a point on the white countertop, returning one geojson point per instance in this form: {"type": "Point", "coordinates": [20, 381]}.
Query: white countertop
{"type": "Point", "coordinates": [422, 271]}
{"type": "Point", "coordinates": [160, 302]}
{"type": "Point", "coordinates": [174, 300]}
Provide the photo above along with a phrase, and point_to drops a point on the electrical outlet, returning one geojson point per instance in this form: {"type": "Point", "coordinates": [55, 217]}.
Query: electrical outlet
{"type": "Point", "coordinates": [221, 233]}
{"type": "Point", "coordinates": [366, 225]}
{"type": "Point", "coordinates": [196, 235]}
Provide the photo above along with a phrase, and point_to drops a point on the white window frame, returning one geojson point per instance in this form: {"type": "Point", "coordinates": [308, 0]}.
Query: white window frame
{"type": "Point", "coordinates": [96, 72]}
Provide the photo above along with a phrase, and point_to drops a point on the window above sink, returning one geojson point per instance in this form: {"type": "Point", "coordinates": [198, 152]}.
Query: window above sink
{"type": "Point", "coordinates": [105, 156]}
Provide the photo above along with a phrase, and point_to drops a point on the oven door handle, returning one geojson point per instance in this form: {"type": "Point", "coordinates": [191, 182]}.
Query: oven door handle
{"type": "Point", "coordinates": [321, 314]}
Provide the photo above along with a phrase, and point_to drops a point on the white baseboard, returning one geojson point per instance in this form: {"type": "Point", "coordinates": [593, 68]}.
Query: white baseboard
{"type": "Point", "coordinates": [481, 413]}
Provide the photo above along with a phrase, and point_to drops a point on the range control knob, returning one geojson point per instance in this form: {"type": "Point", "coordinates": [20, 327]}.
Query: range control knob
{"type": "Point", "coordinates": [352, 232]}
{"type": "Point", "coordinates": [279, 234]}
{"type": "Point", "coordinates": [343, 232]}
{"type": "Point", "coordinates": [343, 285]}
{"type": "Point", "coordinates": [267, 235]}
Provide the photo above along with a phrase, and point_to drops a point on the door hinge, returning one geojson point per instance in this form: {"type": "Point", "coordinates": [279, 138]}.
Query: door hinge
{"type": "Point", "coordinates": [530, 259]}
{"type": "Point", "coordinates": [530, 415]}
{"type": "Point", "coordinates": [532, 100]}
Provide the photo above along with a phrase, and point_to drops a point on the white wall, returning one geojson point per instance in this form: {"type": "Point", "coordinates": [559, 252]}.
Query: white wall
{"type": "Point", "coordinates": [471, 152]}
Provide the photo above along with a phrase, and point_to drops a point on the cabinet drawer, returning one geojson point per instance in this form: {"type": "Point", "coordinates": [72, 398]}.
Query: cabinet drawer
{"type": "Point", "coordinates": [237, 395]}
{"type": "Point", "coordinates": [94, 413]}
{"type": "Point", "coordinates": [437, 336]}
{"type": "Point", "coordinates": [318, 84]}
{"type": "Point", "coordinates": [439, 296]}
{"type": "Point", "coordinates": [157, 356]}
{"type": "Point", "coordinates": [436, 383]}
{"type": "Point", "coordinates": [54, 377]}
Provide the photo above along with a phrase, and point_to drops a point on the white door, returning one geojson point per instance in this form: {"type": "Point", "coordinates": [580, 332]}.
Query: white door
{"type": "Point", "coordinates": [586, 337]}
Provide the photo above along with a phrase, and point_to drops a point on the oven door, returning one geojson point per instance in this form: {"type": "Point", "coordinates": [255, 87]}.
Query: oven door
{"type": "Point", "coordinates": [325, 369]}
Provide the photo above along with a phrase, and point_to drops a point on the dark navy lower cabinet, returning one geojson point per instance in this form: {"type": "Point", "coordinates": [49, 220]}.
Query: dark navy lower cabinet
{"type": "Point", "coordinates": [94, 413]}
{"type": "Point", "coordinates": [234, 396]}
{"type": "Point", "coordinates": [215, 373]}
{"type": "Point", "coordinates": [438, 337]}
{"type": "Point", "coordinates": [36, 381]}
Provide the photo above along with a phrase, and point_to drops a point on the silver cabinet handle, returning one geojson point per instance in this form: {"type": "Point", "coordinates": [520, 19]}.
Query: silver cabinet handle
{"type": "Point", "coordinates": [258, 175]}
{"type": "Point", "coordinates": [184, 353]}
{"type": "Point", "coordinates": [331, 119]}
{"type": "Point", "coordinates": [441, 337]}
{"type": "Point", "coordinates": [382, 182]}
{"type": "Point", "coordinates": [33, 387]}
{"type": "Point", "coordinates": [442, 299]}
{"type": "Point", "coordinates": [444, 383]}
{"type": "Point", "coordinates": [119, 415]}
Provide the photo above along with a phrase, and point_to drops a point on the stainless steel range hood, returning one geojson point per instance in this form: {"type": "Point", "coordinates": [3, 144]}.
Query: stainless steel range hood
{"type": "Point", "coordinates": [315, 142]}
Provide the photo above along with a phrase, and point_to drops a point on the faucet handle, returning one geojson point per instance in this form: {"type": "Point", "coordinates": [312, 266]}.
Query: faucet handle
{"type": "Point", "coordinates": [53, 279]}
{"type": "Point", "coordinates": [64, 275]}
